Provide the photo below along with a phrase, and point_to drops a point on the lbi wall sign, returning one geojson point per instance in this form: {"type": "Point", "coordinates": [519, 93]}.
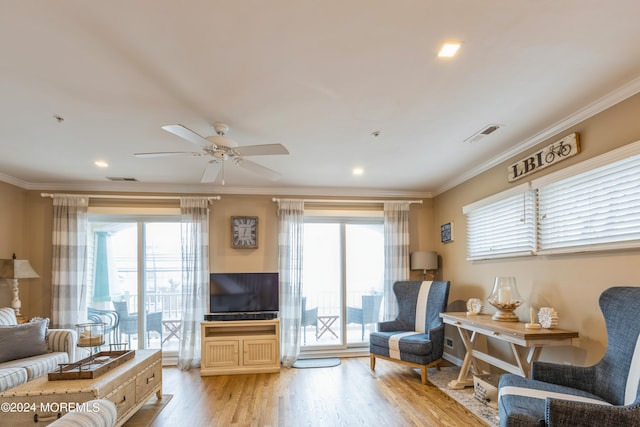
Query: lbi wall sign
{"type": "Point", "coordinates": [567, 147]}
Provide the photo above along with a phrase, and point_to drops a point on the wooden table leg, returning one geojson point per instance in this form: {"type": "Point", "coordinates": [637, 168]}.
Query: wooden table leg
{"type": "Point", "coordinates": [522, 362]}
{"type": "Point", "coordinates": [463, 378]}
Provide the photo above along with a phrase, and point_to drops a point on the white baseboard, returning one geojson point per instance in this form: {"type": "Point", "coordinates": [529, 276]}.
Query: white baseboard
{"type": "Point", "coordinates": [450, 358]}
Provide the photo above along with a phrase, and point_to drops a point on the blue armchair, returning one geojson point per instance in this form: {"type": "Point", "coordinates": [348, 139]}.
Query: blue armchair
{"type": "Point", "coordinates": [605, 394]}
{"type": "Point", "coordinates": [416, 336]}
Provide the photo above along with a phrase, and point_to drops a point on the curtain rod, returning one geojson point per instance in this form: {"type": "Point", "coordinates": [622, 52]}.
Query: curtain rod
{"type": "Point", "coordinates": [275, 199]}
{"type": "Point", "coordinates": [113, 196]}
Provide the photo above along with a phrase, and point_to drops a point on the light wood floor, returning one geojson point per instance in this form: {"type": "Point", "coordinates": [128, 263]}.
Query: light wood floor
{"type": "Point", "coordinates": [346, 395]}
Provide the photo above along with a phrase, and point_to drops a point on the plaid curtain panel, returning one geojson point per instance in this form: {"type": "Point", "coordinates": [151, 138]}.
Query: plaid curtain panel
{"type": "Point", "coordinates": [396, 252]}
{"type": "Point", "coordinates": [69, 263]}
{"type": "Point", "coordinates": [195, 276]}
{"type": "Point", "coordinates": [290, 245]}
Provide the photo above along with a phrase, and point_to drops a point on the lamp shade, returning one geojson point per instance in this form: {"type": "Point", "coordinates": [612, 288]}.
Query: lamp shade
{"type": "Point", "coordinates": [16, 269]}
{"type": "Point", "coordinates": [424, 260]}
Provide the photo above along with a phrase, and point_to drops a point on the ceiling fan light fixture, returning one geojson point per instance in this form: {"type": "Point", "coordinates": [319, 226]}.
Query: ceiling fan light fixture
{"type": "Point", "coordinates": [219, 155]}
{"type": "Point", "coordinates": [221, 140]}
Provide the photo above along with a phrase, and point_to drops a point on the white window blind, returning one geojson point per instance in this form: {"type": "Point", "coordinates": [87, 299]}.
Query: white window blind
{"type": "Point", "coordinates": [594, 210]}
{"type": "Point", "coordinates": [502, 225]}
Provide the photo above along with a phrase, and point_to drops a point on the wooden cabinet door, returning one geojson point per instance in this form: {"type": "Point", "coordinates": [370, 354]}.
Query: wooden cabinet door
{"type": "Point", "coordinates": [259, 352]}
{"type": "Point", "coordinates": [221, 353]}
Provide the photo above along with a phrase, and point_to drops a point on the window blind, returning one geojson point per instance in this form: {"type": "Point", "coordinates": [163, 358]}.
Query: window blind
{"type": "Point", "coordinates": [594, 210]}
{"type": "Point", "coordinates": [502, 225]}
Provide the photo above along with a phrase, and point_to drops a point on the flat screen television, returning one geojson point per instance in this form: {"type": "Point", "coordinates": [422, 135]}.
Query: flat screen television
{"type": "Point", "coordinates": [237, 293]}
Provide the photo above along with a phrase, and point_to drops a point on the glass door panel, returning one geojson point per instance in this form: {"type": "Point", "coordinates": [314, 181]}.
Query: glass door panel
{"type": "Point", "coordinates": [162, 287]}
{"type": "Point", "coordinates": [129, 277]}
{"type": "Point", "coordinates": [321, 285]}
{"type": "Point", "coordinates": [364, 279]}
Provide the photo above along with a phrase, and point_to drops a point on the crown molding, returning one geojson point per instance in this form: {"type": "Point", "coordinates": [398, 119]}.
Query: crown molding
{"type": "Point", "coordinates": [617, 96]}
{"type": "Point", "coordinates": [136, 187]}
{"type": "Point", "coordinates": [14, 181]}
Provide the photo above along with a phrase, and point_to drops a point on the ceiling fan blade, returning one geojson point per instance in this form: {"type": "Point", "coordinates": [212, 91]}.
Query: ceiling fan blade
{"type": "Point", "coordinates": [211, 171]}
{"type": "Point", "coordinates": [167, 154]}
{"type": "Point", "coordinates": [258, 169]}
{"type": "Point", "coordinates": [188, 134]}
{"type": "Point", "coordinates": [262, 150]}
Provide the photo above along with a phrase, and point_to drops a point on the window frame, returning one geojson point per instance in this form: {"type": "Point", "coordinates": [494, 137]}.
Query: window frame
{"type": "Point", "coordinates": [601, 166]}
{"type": "Point", "coordinates": [510, 214]}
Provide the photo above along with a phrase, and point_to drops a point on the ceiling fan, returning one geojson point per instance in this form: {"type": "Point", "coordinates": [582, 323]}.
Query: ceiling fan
{"type": "Point", "coordinates": [221, 148]}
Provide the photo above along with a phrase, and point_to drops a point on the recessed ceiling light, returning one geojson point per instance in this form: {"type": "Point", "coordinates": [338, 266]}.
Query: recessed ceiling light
{"type": "Point", "coordinates": [357, 171]}
{"type": "Point", "coordinates": [101, 164]}
{"type": "Point", "coordinates": [449, 50]}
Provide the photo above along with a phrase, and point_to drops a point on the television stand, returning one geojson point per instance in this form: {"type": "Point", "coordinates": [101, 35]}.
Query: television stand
{"type": "Point", "coordinates": [240, 347]}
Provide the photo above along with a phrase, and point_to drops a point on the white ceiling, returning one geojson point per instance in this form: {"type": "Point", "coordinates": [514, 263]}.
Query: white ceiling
{"type": "Point", "coordinates": [316, 76]}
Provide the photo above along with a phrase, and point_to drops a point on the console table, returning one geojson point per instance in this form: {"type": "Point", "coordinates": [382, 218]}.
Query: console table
{"type": "Point", "coordinates": [515, 333]}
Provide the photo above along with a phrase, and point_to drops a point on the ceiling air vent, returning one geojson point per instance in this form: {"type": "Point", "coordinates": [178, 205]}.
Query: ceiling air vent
{"type": "Point", "coordinates": [487, 130]}
{"type": "Point", "coordinates": [121, 179]}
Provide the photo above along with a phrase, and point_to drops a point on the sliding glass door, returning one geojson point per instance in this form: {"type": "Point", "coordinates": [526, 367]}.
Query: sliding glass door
{"type": "Point", "coordinates": [342, 281]}
{"type": "Point", "coordinates": [134, 270]}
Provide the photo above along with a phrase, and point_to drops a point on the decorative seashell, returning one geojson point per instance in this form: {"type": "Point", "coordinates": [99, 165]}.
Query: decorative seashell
{"type": "Point", "coordinates": [474, 306]}
{"type": "Point", "coordinates": [548, 317]}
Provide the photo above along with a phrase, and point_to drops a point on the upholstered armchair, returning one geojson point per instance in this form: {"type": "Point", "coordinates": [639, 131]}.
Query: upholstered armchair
{"type": "Point", "coordinates": [416, 336]}
{"type": "Point", "coordinates": [605, 394]}
{"type": "Point", "coordinates": [366, 314]}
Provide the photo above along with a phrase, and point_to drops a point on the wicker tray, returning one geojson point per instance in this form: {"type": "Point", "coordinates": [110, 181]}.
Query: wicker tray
{"type": "Point", "coordinates": [91, 367]}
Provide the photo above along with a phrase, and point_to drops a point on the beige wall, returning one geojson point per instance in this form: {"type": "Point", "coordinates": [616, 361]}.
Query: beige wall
{"type": "Point", "coordinates": [12, 230]}
{"type": "Point", "coordinates": [569, 283]}
{"type": "Point", "coordinates": [26, 222]}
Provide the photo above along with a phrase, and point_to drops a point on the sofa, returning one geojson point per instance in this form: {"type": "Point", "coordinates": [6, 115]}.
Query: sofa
{"type": "Point", "coordinates": [94, 413]}
{"type": "Point", "coordinates": [30, 350]}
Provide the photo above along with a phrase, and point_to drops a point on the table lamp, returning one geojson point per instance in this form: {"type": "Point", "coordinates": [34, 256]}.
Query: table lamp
{"type": "Point", "coordinates": [15, 269]}
{"type": "Point", "coordinates": [424, 260]}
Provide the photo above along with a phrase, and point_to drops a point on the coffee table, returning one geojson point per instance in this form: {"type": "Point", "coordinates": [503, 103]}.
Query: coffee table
{"type": "Point", "coordinates": [129, 386]}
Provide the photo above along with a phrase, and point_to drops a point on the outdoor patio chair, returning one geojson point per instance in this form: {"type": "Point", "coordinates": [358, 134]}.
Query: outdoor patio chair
{"type": "Point", "coordinates": [367, 313]}
{"type": "Point", "coordinates": [110, 320]}
{"type": "Point", "coordinates": [309, 318]}
{"type": "Point", "coordinates": [128, 322]}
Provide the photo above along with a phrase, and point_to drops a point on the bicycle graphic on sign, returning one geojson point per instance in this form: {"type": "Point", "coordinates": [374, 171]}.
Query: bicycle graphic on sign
{"type": "Point", "coordinates": [562, 150]}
